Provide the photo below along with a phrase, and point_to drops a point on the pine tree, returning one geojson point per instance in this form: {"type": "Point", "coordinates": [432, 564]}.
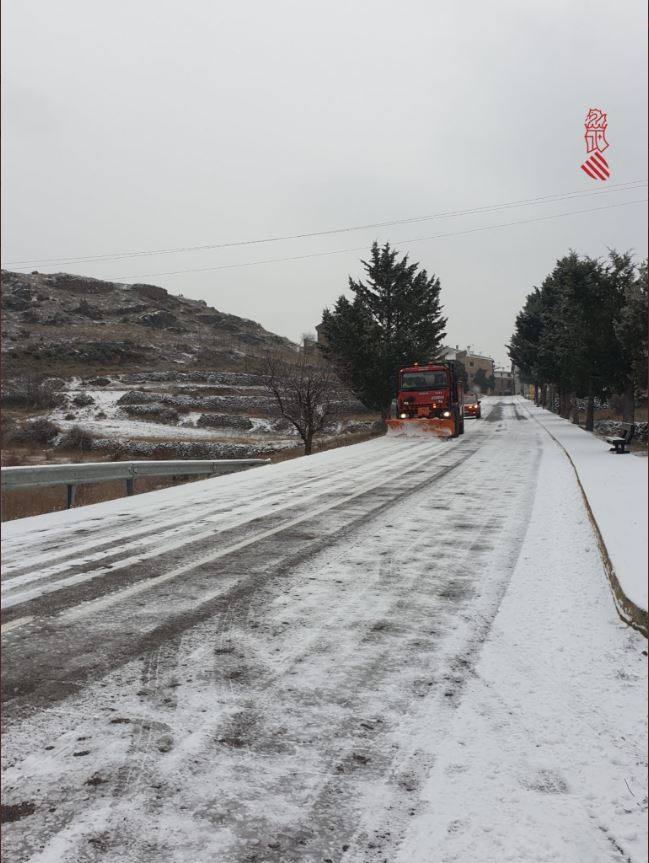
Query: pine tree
{"type": "Point", "coordinates": [586, 345]}
{"type": "Point", "coordinates": [481, 381]}
{"type": "Point", "coordinates": [394, 319]}
{"type": "Point", "coordinates": [630, 328]}
{"type": "Point", "coordinates": [523, 349]}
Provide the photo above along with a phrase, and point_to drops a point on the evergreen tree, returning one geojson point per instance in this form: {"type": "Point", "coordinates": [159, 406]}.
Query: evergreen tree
{"type": "Point", "coordinates": [587, 348]}
{"type": "Point", "coordinates": [584, 331]}
{"type": "Point", "coordinates": [484, 382]}
{"type": "Point", "coordinates": [393, 320]}
{"type": "Point", "coordinates": [523, 349]}
{"type": "Point", "coordinates": [480, 380]}
{"type": "Point", "coordinates": [630, 328]}
{"type": "Point", "coordinates": [554, 357]}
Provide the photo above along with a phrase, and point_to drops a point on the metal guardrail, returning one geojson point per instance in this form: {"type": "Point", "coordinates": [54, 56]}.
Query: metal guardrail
{"type": "Point", "coordinates": [72, 475]}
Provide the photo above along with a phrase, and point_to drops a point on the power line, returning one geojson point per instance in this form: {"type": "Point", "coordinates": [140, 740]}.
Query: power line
{"type": "Point", "coordinates": [628, 186]}
{"type": "Point", "coordinates": [364, 248]}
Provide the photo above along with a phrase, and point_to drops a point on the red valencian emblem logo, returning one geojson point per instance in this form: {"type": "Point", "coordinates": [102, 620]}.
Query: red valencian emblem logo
{"type": "Point", "coordinates": [596, 165]}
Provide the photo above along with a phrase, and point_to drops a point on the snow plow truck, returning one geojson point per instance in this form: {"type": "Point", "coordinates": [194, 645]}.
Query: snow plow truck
{"type": "Point", "coordinates": [430, 400]}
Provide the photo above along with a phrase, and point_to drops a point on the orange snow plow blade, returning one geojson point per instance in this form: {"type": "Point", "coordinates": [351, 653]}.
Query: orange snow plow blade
{"type": "Point", "coordinates": [421, 426]}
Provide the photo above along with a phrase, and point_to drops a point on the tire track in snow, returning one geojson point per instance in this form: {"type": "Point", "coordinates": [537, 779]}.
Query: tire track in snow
{"type": "Point", "coordinates": [400, 774]}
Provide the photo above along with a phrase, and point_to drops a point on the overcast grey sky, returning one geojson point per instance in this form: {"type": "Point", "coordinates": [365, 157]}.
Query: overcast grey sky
{"type": "Point", "coordinates": [151, 124]}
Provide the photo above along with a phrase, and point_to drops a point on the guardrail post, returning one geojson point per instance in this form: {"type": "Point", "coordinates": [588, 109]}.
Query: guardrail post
{"type": "Point", "coordinates": [72, 489]}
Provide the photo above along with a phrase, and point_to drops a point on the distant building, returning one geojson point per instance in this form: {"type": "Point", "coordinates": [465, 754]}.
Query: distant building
{"type": "Point", "coordinates": [322, 339]}
{"type": "Point", "coordinates": [505, 382]}
{"type": "Point", "coordinates": [471, 361]}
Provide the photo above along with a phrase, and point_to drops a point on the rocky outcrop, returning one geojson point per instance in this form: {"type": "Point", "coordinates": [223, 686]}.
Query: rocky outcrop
{"type": "Point", "coordinates": [151, 292]}
{"type": "Point", "coordinates": [159, 319]}
{"type": "Point", "coordinates": [66, 282]}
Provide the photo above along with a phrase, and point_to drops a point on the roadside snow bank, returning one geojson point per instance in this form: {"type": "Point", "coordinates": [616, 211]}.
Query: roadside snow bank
{"type": "Point", "coordinates": [616, 489]}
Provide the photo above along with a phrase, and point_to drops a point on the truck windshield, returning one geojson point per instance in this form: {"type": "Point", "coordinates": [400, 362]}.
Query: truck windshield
{"type": "Point", "coordinates": [423, 380]}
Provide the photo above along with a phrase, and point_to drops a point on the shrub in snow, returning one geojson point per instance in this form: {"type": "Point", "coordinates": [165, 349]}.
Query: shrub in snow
{"type": "Point", "coordinates": [30, 392]}
{"type": "Point", "coordinates": [83, 400]}
{"type": "Point", "coordinates": [54, 384]}
{"type": "Point", "coordinates": [156, 411]}
{"type": "Point", "coordinates": [76, 438]}
{"type": "Point", "coordinates": [137, 397]}
{"type": "Point", "coordinates": [39, 431]}
{"type": "Point", "coordinates": [7, 430]}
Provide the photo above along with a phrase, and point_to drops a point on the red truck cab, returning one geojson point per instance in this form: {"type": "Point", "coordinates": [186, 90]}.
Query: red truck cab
{"type": "Point", "coordinates": [432, 391]}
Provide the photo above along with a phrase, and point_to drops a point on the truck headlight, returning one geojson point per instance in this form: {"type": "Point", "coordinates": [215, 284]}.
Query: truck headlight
{"type": "Point", "coordinates": [403, 416]}
{"type": "Point", "coordinates": [446, 414]}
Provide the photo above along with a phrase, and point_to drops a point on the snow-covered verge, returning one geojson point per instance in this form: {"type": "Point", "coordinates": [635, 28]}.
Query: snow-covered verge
{"type": "Point", "coordinates": [545, 761]}
{"type": "Point", "coordinates": [616, 489]}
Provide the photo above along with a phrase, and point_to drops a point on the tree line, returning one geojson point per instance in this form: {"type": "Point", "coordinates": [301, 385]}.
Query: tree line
{"type": "Point", "coordinates": [583, 334]}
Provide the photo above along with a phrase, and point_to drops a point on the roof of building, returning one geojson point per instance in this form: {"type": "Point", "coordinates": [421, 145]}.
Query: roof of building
{"type": "Point", "coordinates": [447, 351]}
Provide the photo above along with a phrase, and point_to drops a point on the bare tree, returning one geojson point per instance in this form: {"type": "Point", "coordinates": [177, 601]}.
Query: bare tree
{"type": "Point", "coordinates": [303, 387]}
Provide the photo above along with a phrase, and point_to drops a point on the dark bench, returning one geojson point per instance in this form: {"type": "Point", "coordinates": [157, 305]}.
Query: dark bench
{"type": "Point", "coordinates": [620, 444]}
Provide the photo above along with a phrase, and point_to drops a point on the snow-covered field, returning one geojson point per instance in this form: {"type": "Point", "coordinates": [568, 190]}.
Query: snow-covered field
{"type": "Point", "coordinates": [117, 425]}
{"type": "Point", "coordinates": [109, 421]}
{"type": "Point", "coordinates": [401, 650]}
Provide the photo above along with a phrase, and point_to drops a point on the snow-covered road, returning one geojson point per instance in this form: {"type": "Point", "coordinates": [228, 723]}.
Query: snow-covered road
{"type": "Point", "coordinates": [404, 649]}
